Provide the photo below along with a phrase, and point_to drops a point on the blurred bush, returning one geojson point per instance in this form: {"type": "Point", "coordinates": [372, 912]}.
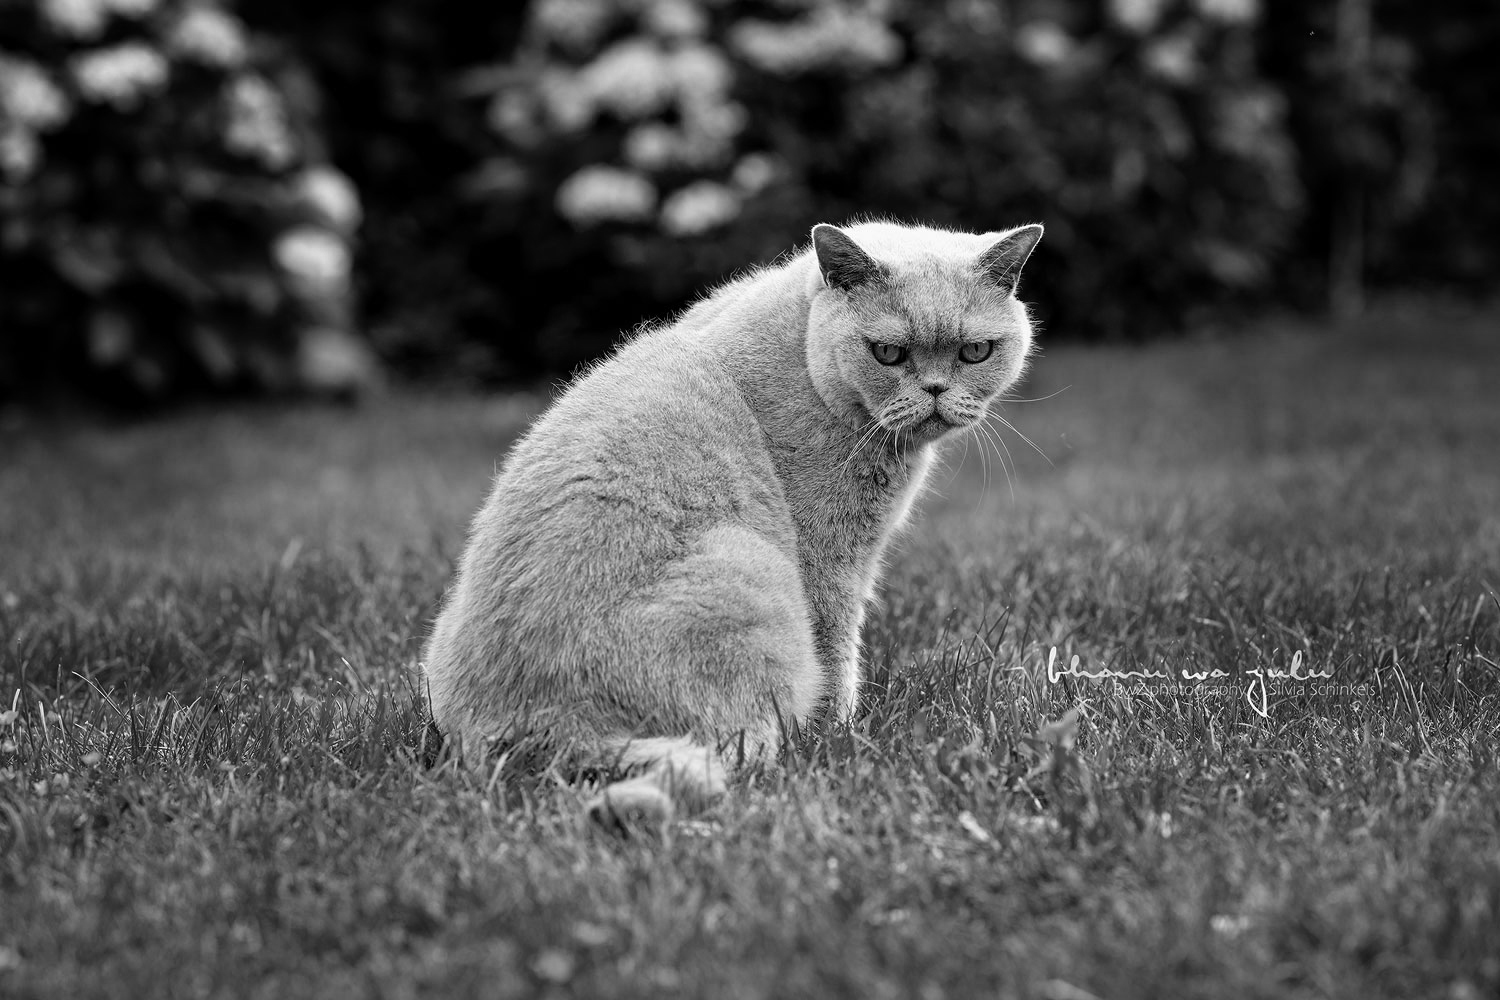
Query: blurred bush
{"type": "Point", "coordinates": [1457, 222]}
{"type": "Point", "coordinates": [1394, 117]}
{"type": "Point", "coordinates": [534, 178]}
{"type": "Point", "coordinates": [676, 141]}
{"type": "Point", "coordinates": [1367, 135]}
{"type": "Point", "coordinates": [437, 294]}
{"type": "Point", "coordinates": [168, 220]}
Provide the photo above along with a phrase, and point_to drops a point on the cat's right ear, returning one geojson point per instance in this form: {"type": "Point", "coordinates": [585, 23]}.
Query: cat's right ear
{"type": "Point", "coordinates": [844, 265]}
{"type": "Point", "coordinates": [1003, 261]}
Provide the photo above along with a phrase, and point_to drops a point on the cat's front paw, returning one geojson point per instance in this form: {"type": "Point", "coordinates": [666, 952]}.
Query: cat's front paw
{"type": "Point", "coordinates": [637, 805]}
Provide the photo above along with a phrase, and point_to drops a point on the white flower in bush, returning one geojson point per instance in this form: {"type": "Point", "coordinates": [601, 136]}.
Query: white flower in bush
{"type": "Point", "coordinates": [81, 19]}
{"type": "Point", "coordinates": [120, 75]}
{"type": "Point", "coordinates": [831, 36]}
{"type": "Point", "coordinates": [1248, 121]}
{"type": "Point", "coordinates": [20, 153]}
{"type": "Point", "coordinates": [569, 104]}
{"type": "Point", "coordinates": [502, 176]}
{"type": "Point", "coordinates": [697, 208]}
{"type": "Point", "coordinates": [256, 123]}
{"type": "Point", "coordinates": [1235, 266]}
{"type": "Point", "coordinates": [1230, 11]}
{"type": "Point", "coordinates": [631, 78]}
{"type": "Point", "coordinates": [651, 146]}
{"type": "Point", "coordinates": [1174, 59]}
{"type": "Point", "coordinates": [1044, 43]}
{"type": "Point", "coordinates": [511, 114]}
{"type": "Point", "coordinates": [576, 24]}
{"type": "Point", "coordinates": [1139, 16]}
{"type": "Point", "coordinates": [86, 19]}
{"type": "Point", "coordinates": [603, 194]}
{"type": "Point", "coordinates": [334, 361]}
{"type": "Point", "coordinates": [211, 36]}
{"type": "Point", "coordinates": [314, 256]}
{"type": "Point", "coordinates": [699, 71]}
{"type": "Point", "coordinates": [132, 8]}
{"type": "Point", "coordinates": [705, 138]}
{"type": "Point", "coordinates": [676, 19]}
{"type": "Point", "coordinates": [330, 194]}
{"type": "Point", "coordinates": [696, 81]}
{"type": "Point", "coordinates": [28, 96]}
{"type": "Point", "coordinates": [709, 128]}
{"type": "Point", "coordinates": [111, 337]}
{"type": "Point", "coordinates": [754, 172]}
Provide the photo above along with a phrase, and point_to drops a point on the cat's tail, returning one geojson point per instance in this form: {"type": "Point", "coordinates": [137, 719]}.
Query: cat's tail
{"type": "Point", "coordinates": [662, 775]}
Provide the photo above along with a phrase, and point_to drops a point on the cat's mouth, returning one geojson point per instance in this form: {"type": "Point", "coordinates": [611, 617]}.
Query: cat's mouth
{"type": "Point", "coordinates": [931, 426]}
{"type": "Point", "coordinates": [934, 425]}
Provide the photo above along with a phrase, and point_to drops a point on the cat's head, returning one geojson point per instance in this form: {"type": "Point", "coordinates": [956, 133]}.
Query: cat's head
{"type": "Point", "coordinates": [917, 329]}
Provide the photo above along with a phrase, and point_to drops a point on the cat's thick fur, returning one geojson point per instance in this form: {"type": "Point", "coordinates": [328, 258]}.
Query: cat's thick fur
{"type": "Point", "coordinates": [682, 548]}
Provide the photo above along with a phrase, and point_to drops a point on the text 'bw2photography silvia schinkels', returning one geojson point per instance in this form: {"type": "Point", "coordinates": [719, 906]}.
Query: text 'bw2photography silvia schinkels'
{"type": "Point", "coordinates": [749, 498]}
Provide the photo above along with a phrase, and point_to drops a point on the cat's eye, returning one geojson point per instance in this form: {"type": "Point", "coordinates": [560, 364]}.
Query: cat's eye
{"type": "Point", "coordinates": [888, 354]}
{"type": "Point", "coordinates": [976, 351]}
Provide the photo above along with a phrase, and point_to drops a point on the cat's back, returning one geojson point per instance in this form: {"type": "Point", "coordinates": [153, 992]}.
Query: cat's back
{"type": "Point", "coordinates": [636, 460]}
{"type": "Point", "coordinates": [660, 413]}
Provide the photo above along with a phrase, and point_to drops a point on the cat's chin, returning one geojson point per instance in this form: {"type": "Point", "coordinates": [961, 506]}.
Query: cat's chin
{"type": "Point", "coordinates": [930, 429]}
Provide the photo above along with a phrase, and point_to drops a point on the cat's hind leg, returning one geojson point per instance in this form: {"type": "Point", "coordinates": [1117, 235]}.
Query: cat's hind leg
{"type": "Point", "coordinates": [661, 773]}
{"type": "Point", "coordinates": [718, 647]}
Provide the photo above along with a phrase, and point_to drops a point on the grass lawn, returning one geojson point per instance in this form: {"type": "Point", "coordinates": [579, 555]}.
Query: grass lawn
{"type": "Point", "coordinates": [211, 746]}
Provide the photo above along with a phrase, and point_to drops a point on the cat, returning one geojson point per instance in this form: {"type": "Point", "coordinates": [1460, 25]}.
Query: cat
{"type": "Point", "coordinates": [682, 547]}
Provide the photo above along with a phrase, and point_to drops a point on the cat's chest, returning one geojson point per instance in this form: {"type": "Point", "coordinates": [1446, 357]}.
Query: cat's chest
{"type": "Point", "coordinates": [882, 493]}
{"type": "Point", "coordinates": [850, 512]}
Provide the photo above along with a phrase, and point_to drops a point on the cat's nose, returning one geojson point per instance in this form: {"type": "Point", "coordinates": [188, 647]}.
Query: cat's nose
{"type": "Point", "coordinates": [936, 388]}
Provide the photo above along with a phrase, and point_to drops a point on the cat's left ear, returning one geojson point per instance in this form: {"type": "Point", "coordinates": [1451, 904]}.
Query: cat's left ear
{"type": "Point", "coordinates": [1003, 261]}
{"type": "Point", "coordinates": [844, 264]}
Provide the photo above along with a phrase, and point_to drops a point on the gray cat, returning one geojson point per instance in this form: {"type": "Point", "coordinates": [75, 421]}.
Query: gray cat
{"type": "Point", "coordinates": [682, 548]}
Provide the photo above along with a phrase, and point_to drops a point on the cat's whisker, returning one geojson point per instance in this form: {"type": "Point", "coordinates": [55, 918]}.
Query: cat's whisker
{"type": "Point", "coordinates": [953, 471]}
{"type": "Point", "coordinates": [1007, 461]}
{"type": "Point", "coordinates": [1038, 399]}
{"type": "Point", "coordinates": [984, 458]}
{"type": "Point", "coordinates": [1013, 472]}
{"type": "Point", "coordinates": [866, 434]}
{"type": "Point", "coordinates": [1023, 437]}
{"type": "Point", "coordinates": [970, 432]}
{"type": "Point", "coordinates": [984, 454]}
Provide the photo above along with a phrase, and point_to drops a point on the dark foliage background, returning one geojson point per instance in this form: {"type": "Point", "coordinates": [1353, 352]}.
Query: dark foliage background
{"type": "Point", "coordinates": [201, 197]}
